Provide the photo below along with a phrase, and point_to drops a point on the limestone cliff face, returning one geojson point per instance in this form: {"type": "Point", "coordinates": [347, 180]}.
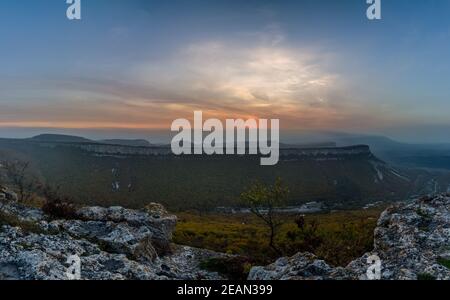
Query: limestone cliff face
{"type": "Point", "coordinates": [412, 241]}
{"type": "Point", "coordinates": [296, 152]}
{"type": "Point", "coordinates": [112, 243]}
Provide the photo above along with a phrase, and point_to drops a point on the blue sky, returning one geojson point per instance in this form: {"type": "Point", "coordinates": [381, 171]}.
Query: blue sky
{"type": "Point", "coordinates": [133, 66]}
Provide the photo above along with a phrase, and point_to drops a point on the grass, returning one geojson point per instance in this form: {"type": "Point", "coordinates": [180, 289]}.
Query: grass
{"type": "Point", "coordinates": [425, 277]}
{"type": "Point", "coordinates": [338, 237]}
{"type": "Point", "coordinates": [14, 221]}
{"type": "Point", "coordinates": [444, 262]}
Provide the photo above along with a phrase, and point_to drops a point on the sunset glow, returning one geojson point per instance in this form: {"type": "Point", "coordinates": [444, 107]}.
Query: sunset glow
{"type": "Point", "coordinates": [132, 68]}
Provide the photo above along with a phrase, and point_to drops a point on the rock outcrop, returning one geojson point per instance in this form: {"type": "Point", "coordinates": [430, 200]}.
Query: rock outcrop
{"type": "Point", "coordinates": [412, 241]}
{"type": "Point", "coordinates": [7, 195]}
{"type": "Point", "coordinates": [302, 266]}
{"type": "Point", "coordinates": [111, 243]}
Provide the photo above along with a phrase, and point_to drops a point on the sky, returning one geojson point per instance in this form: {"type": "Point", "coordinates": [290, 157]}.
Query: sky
{"type": "Point", "coordinates": [131, 67]}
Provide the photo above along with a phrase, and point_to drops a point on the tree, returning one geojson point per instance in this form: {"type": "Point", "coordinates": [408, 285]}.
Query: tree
{"type": "Point", "coordinates": [18, 172]}
{"type": "Point", "coordinates": [264, 202]}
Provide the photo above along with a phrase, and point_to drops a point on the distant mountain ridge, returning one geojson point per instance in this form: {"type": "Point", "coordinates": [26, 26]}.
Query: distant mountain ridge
{"type": "Point", "coordinates": [339, 177]}
{"type": "Point", "coordinates": [87, 170]}
{"type": "Point", "coordinates": [425, 156]}
{"type": "Point", "coordinates": [125, 142]}
{"type": "Point", "coordinates": [145, 148]}
{"type": "Point", "coordinates": [62, 138]}
{"type": "Point", "coordinates": [411, 155]}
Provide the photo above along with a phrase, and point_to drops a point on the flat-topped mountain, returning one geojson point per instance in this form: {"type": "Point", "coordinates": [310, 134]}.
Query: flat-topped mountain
{"type": "Point", "coordinates": [94, 172]}
{"type": "Point", "coordinates": [143, 147]}
{"type": "Point", "coordinates": [60, 138]}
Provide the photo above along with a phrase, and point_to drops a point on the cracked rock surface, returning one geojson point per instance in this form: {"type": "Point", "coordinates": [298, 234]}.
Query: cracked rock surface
{"type": "Point", "coordinates": [112, 243]}
{"type": "Point", "coordinates": [412, 240]}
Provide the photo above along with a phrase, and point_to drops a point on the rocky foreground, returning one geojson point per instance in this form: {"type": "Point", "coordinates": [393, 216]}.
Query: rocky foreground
{"type": "Point", "coordinates": [412, 240]}
{"type": "Point", "coordinates": [112, 243]}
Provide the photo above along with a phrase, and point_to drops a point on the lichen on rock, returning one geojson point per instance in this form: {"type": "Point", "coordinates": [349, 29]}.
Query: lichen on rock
{"type": "Point", "coordinates": [112, 243]}
{"type": "Point", "coordinates": [412, 239]}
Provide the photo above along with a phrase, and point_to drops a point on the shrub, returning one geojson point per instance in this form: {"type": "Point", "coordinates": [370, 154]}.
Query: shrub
{"type": "Point", "coordinates": [58, 206]}
{"type": "Point", "coordinates": [337, 238]}
{"type": "Point", "coordinates": [14, 221]}
{"type": "Point", "coordinates": [444, 262]}
{"type": "Point", "coordinates": [425, 276]}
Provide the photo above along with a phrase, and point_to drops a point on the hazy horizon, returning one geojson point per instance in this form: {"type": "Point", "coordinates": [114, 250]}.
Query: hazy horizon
{"type": "Point", "coordinates": [165, 136]}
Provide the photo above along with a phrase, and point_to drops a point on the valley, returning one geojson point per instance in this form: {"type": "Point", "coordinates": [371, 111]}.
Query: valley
{"type": "Point", "coordinates": [94, 172]}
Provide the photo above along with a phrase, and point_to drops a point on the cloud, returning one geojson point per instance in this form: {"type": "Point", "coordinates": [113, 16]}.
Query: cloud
{"type": "Point", "coordinates": [254, 80]}
{"type": "Point", "coordinates": [255, 76]}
